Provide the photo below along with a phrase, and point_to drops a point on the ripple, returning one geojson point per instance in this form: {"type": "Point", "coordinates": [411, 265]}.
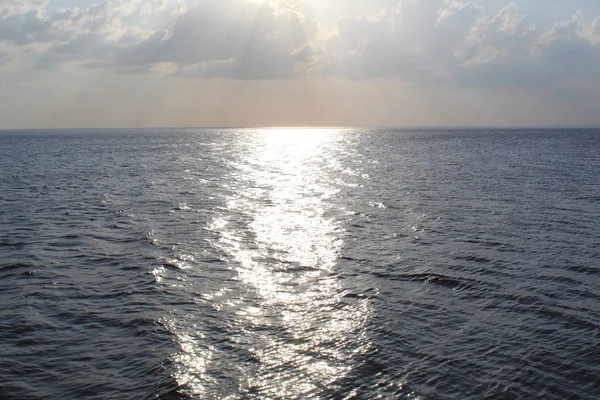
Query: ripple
{"type": "Point", "coordinates": [333, 264]}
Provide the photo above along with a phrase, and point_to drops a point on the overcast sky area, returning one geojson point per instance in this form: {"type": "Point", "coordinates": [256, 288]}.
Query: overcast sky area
{"type": "Point", "coordinates": [143, 63]}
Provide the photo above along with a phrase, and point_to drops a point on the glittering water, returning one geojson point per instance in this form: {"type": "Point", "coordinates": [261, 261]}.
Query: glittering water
{"type": "Point", "coordinates": [317, 264]}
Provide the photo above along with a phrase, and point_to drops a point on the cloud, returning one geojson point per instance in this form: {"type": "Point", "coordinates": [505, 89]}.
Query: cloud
{"type": "Point", "coordinates": [5, 58]}
{"type": "Point", "coordinates": [456, 42]}
{"type": "Point", "coordinates": [423, 42]}
{"type": "Point", "coordinates": [514, 52]}
{"type": "Point", "coordinates": [227, 39]}
{"type": "Point", "coordinates": [571, 48]}
{"type": "Point", "coordinates": [417, 41]}
{"type": "Point", "coordinates": [87, 36]}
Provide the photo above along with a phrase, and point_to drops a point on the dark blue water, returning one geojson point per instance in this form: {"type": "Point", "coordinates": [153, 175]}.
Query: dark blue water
{"type": "Point", "coordinates": [317, 264]}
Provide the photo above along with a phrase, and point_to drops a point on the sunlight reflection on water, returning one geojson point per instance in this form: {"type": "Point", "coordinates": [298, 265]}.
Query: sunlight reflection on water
{"type": "Point", "coordinates": [302, 335]}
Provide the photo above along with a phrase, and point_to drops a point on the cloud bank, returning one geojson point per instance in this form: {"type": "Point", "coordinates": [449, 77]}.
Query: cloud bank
{"type": "Point", "coordinates": [417, 41]}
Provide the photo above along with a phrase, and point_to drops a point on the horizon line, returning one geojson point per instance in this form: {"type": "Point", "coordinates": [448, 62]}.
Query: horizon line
{"type": "Point", "coordinates": [309, 127]}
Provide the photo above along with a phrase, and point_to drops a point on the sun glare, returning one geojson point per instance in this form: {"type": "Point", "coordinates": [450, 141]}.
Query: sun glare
{"type": "Point", "coordinates": [281, 195]}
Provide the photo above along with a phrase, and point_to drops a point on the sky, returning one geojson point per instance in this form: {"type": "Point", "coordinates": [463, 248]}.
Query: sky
{"type": "Point", "coordinates": [249, 63]}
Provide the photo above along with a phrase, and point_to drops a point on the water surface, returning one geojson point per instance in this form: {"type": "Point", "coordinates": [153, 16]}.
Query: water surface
{"type": "Point", "coordinates": [278, 264]}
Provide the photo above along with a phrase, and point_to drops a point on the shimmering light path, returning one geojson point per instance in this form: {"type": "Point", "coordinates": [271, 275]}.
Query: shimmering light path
{"type": "Point", "coordinates": [278, 231]}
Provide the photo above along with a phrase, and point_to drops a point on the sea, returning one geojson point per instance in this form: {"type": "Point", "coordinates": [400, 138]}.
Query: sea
{"type": "Point", "coordinates": [300, 264]}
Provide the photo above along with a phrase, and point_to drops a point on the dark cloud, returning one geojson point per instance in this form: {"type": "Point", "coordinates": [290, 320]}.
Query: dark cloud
{"type": "Point", "coordinates": [234, 39]}
{"type": "Point", "coordinates": [23, 28]}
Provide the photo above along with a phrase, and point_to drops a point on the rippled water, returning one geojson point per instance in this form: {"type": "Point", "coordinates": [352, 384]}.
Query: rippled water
{"type": "Point", "coordinates": [317, 264]}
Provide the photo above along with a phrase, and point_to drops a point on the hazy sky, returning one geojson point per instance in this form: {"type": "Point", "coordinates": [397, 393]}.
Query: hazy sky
{"type": "Point", "coordinates": [133, 63]}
